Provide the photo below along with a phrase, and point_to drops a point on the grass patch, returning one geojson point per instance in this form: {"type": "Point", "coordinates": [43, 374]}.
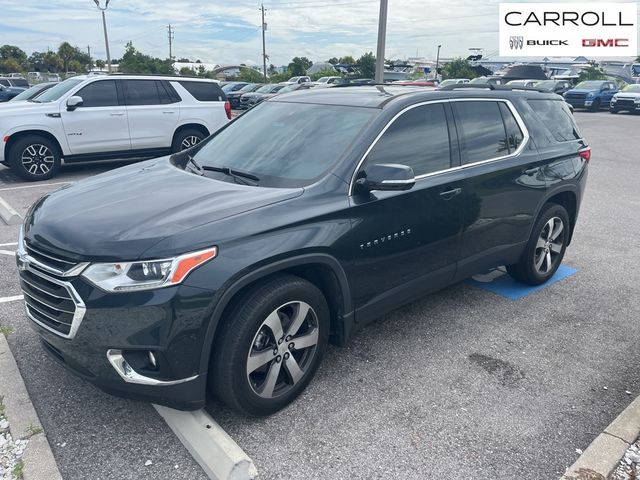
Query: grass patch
{"type": "Point", "coordinates": [6, 331]}
{"type": "Point", "coordinates": [18, 470]}
{"type": "Point", "coordinates": [31, 430]}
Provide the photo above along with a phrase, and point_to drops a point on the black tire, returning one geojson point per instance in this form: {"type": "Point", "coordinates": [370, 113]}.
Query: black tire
{"type": "Point", "coordinates": [35, 158]}
{"type": "Point", "coordinates": [245, 333]}
{"type": "Point", "coordinates": [185, 139]}
{"type": "Point", "coordinates": [528, 270]}
{"type": "Point", "coordinates": [613, 110]}
{"type": "Point", "coordinates": [595, 106]}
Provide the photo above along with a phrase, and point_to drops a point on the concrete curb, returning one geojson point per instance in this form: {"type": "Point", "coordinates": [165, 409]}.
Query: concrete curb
{"type": "Point", "coordinates": [216, 452]}
{"type": "Point", "coordinates": [39, 462]}
{"type": "Point", "coordinates": [8, 214]}
{"type": "Point", "coordinates": [603, 455]}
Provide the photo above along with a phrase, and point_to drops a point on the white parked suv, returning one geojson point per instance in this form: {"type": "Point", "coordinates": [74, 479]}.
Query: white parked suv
{"type": "Point", "coordinates": [113, 116]}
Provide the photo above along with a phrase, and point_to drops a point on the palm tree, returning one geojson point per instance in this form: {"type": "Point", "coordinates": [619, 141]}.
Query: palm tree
{"type": "Point", "coordinates": [66, 52]}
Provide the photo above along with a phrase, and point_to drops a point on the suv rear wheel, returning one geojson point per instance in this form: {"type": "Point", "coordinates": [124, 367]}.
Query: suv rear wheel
{"type": "Point", "coordinates": [35, 158]}
{"type": "Point", "coordinates": [545, 249]}
{"type": "Point", "coordinates": [271, 346]}
{"type": "Point", "coordinates": [185, 139]}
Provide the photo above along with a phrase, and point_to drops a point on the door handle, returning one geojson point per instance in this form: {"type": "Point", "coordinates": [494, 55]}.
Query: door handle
{"type": "Point", "coordinates": [449, 194]}
{"type": "Point", "coordinates": [117, 114]}
{"type": "Point", "coordinates": [168, 112]}
{"type": "Point", "coordinates": [531, 171]}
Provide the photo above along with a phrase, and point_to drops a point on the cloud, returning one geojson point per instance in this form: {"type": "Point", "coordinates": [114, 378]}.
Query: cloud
{"type": "Point", "coordinates": [229, 32]}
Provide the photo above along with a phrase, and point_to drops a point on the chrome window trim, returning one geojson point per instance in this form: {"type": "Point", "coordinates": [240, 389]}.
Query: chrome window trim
{"type": "Point", "coordinates": [78, 316]}
{"type": "Point", "coordinates": [510, 106]}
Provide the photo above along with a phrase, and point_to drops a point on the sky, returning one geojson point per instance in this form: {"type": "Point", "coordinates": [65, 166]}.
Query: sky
{"type": "Point", "coordinates": [228, 32]}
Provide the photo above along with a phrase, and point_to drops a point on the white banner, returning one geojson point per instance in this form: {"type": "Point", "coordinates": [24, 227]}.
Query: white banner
{"type": "Point", "coordinates": [568, 29]}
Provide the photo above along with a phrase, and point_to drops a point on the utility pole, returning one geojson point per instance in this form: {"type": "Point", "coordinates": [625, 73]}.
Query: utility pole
{"type": "Point", "coordinates": [104, 26]}
{"type": "Point", "coordinates": [264, 45]}
{"type": "Point", "coordinates": [170, 41]}
{"type": "Point", "coordinates": [437, 62]}
{"type": "Point", "coordinates": [90, 62]}
{"type": "Point", "coordinates": [382, 36]}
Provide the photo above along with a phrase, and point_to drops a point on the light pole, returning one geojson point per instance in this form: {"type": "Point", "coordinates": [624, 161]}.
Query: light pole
{"type": "Point", "coordinates": [438, 62]}
{"type": "Point", "coordinates": [104, 26]}
{"type": "Point", "coordinates": [382, 35]}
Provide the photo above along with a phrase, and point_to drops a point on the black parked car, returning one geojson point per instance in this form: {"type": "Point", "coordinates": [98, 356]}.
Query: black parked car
{"type": "Point", "coordinates": [233, 86]}
{"type": "Point", "coordinates": [249, 100]}
{"type": "Point", "coordinates": [234, 97]}
{"type": "Point", "coordinates": [299, 222]}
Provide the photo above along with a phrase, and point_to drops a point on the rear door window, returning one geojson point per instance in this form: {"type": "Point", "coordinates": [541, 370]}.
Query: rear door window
{"type": "Point", "coordinates": [204, 91]}
{"type": "Point", "coordinates": [482, 131]}
{"type": "Point", "coordinates": [514, 133]}
{"type": "Point", "coordinates": [556, 120]}
{"type": "Point", "coordinates": [418, 139]}
{"type": "Point", "coordinates": [141, 92]}
{"type": "Point", "coordinates": [102, 93]}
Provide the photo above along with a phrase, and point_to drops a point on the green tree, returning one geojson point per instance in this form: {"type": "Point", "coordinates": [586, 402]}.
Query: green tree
{"type": "Point", "coordinates": [52, 62]}
{"type": "Point", "coordinates": [458, 68]}
{"type": "Point", "coordinates": [11, 51]}
{"type": "Point", "coordinates": [10, 65]}
{"type": "Point", "coordinates": [592, 72]}
{"type": "Point", "coordinates": [100, 64]}
{"type": "Point", "coordinates": [250, 75]}
{"type": "Point", "coordinates": [134, 61]}
{"type": "Point", "coordinates": [348, 60]}
{"type": "Point", "coordinates": [367, 65]}
{"type": "Point", "coordinates": [333, 61]}
{"type": "Point", "coordinates": [299, 66]}
{"type": "Point", "coordinates": [326, 72]}
{"type": "Point", "coordinates": [66, 53]}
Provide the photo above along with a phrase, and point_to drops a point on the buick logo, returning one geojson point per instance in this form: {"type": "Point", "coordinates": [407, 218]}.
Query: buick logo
{"type": "Point", "coordinates": [516, 43]}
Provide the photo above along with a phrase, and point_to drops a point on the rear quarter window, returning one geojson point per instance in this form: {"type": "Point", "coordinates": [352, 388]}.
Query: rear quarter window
{"type": "Point", "coordinates": [555, 120]}
{"type": "Point", "coordinates": [204, 91]}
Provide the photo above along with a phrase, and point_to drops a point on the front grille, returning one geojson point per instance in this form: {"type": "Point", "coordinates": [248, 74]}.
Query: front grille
{"type": "Point", "coordinates": [49, 262]}
{"type": "Point", "coordinates": [575, 97]}
{"type": "Point", "coordinates": [50, 302]}
{"type": "Point", "coordinates": [625, 102]}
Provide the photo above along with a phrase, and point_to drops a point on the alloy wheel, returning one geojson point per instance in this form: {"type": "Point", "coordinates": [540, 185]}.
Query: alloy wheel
{"type": "Point", "coordinates": [37, 159]}
{"type": "Point", "coordinates": [549, 245]}
{"type": "Point", "coordinates": [189, 142]}
{"type": "Point", "coordinates": [283, 349]}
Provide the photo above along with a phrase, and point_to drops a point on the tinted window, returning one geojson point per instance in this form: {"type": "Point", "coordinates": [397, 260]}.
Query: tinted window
{"type": "Point", "coordinates": [54, 93]}
{"type": "Point", "coordinates": [204, 91]}
{"type": "Point", "coordinates": [102, 93]}
{"type": "Point", "coordinates": [556, 120]}
{"type": "Point", "coordinates": [141, 92]}
{"type": "Point", "coordinates": [4, 82]}
{"type": "Point", "coordinates": [20, 82]}
{"type": "Point", "coordinates": [285, 144]}
{"type": "Point", "coordinates": [419, 139]}
{"type": "Point", "coordinates": [514, 134]}
{"type": "Point", "coordinates": [482, 132]}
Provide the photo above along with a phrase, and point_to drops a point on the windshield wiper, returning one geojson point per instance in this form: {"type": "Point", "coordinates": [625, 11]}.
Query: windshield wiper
{"type": "Point", "coordinates": [198, 169]}
{"type": "Point", "coordinates": [236, 174]}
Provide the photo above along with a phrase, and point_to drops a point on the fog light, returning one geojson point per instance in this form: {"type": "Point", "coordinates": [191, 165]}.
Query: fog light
{"type": "Point", "coordinates": [152, 359]}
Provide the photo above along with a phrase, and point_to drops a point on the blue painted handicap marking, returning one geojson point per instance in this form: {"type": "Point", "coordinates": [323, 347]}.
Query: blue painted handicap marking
{"type": "Point", "coordinates": [499, 282]}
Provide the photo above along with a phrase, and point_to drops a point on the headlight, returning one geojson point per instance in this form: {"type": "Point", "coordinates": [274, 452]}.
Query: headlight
{"type": "Point", "coordinates": [636, 100]}
{"type": "Point", "coordinates": [126, 276]}
{"type": "Point", "coordinates": [615, 98]}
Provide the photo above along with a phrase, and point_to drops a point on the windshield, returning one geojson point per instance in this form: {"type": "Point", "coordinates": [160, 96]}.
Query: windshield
{"type": "Point", "coordinates": [285, 144]}
{"type": "Point", "coordinates": [549, 84]}
{"type": "Point", "coordinates": [248, 88]}
{"type": "Point", "coordinates": [589, 85]}
{"type": "Point", "coordinates": [58, 91]}
{"type": "Point", "coordinates": [290, 88]}
{"type": "Point", "coordinates": [479, 80]}
{"type": "Point", "coordinates": [265, 89]}
{"type": "Point", "coordinates": [27, 94]}
{"type": "Point", "coordinates": [632, 88]}
{"type": "Point", "coordinates": [323, 79]}
{"type": "Point", "coordinates": [447, 82]}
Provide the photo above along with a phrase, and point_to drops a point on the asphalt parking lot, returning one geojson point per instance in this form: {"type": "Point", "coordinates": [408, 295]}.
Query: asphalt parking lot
{"type": "Point", "coordinates": [465, 383]}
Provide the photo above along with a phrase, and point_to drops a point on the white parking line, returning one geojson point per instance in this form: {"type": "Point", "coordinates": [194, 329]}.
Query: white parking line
{"type": "Point", "coordinates": [33, 186]}
{"type": "Point", "coordinates": [219, 456]}
{"type": "Point", "coordinates": [7, 252]}
{"type": "Point", "coordinates": [8, 244]}
{"type": "Point", "coordinates": [10, 299]}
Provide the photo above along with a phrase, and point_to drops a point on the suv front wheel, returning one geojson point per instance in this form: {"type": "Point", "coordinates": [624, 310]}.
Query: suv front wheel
{"type": "Point", "coordinates": [35, 158]}
{"type": "Point", "coordinates": [271, 345]}
{"type": "Point", "coordinates": [186, 139]}
{"type": "Point", "coordinates": [545, 250]}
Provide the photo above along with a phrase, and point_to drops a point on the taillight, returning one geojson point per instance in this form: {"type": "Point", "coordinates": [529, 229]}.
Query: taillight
{"type": "Point", "coordinates": [227, 108]}
{"type": "Point", "coordinates": [585, 153]}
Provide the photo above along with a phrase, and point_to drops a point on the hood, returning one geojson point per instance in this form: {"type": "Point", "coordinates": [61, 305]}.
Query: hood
{"type": "Point", "coordinates": [584, 90]}
{"type": "Point", "coordinates": [25, 107]}
{"type": "Point", "coordinates": [254, 95]}
{"type": "Point", "coordinates": [628, 95]}
{"type": "Point", "coordinates": [121, 214]}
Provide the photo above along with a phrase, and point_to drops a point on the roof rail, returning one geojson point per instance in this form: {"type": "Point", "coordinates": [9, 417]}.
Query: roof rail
{"type": "Point", "coordinates": [173, 75]}
{"type": "Point", "coordinates": [490, 86]}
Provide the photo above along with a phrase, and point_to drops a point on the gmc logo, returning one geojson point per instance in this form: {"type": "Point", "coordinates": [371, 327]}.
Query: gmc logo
{"type": "Point", "coordinates": [609, 42]}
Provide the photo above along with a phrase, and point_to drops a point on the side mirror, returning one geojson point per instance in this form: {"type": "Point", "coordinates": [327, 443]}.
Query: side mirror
{"type": "Point", "coordinates": [73, 103]}
{"type": "Point", "coordinates": [386, 176]}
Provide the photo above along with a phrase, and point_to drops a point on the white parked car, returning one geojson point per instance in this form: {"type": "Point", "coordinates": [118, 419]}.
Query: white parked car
{"type": "Point", "coordinates": [453, 81]}
{"type": "Point", "coordinates": [328, 81]}
{"type": "Point", "coordinates": [114, 116]}
{"type": "Point", "coordinates": [298, 80]}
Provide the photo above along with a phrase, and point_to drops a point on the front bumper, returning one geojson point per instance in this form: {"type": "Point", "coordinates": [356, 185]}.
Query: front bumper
{"type": "Point", "coordinates": [110, 345]}
{"type": "Point", "coordinates": [627, 106]}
